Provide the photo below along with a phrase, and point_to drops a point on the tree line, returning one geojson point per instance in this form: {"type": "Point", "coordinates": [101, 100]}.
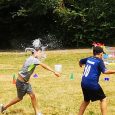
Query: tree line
{"type": "Point", "coordinates": [68, 23]}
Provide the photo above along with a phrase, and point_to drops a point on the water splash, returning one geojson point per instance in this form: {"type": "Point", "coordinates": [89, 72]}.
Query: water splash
{"type": "Point", "coordinates": [29, 49]}
{"type": "Point", "coordinates": [44, 47]}
{"type": "Point", "coordinates": [44, 56]}
{"type": "Point", "coordinates": [36, 43]}
{"type": "Point", "coordinates": [52, 41]}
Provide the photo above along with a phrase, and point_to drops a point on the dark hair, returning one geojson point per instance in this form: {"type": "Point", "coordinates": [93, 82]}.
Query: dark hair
{"type": "Point", "coordinates": [97, 50]}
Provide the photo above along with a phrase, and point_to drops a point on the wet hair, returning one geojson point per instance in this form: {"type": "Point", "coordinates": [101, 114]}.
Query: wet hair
{"type": "Point", "coordinates": [36, 49]}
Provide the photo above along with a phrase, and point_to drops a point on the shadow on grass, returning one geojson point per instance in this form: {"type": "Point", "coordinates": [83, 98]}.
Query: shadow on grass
{"type": "Point", "coordinates": [91, 113]}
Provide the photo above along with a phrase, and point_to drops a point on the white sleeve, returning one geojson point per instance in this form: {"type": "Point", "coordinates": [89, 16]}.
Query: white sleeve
{"type": "Point", "coordinates": [37, 61]}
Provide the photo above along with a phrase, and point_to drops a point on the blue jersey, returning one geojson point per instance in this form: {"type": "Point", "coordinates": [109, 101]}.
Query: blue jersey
{"type": "Point", "coordinates": [93, 68]}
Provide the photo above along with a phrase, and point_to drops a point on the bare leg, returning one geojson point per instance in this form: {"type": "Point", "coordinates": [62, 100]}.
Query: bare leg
{"type": "Point", "coordinates": [103, 106]}
{"type": "Point", "coordinates": [83, 107]}
{"type": "Point", "coordinates": [12, 102]}
{"type": "Point", "coordinates": [34, 102]}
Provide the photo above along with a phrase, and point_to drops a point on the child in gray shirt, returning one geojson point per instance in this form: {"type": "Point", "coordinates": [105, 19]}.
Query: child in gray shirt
{"type": "Point", "coordinates": [22, 83]}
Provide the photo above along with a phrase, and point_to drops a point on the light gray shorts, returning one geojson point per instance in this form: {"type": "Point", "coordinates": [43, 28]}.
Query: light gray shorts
{"type": "Point", "coordinates": [22, 88]}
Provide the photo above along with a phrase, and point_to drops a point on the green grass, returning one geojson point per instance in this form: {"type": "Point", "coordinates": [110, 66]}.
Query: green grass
{"type": "Point", "coordinates": [55, 96]}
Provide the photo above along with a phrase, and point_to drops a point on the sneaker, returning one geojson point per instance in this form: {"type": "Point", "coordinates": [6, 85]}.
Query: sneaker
{"type": "Point", "coordinates": [39, 114]}
{"type": "Point", "coordinates": [2, 109]}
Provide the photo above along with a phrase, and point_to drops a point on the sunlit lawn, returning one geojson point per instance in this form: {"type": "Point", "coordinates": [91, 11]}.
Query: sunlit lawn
{"type": "Point", "coordinates": [55, 96]}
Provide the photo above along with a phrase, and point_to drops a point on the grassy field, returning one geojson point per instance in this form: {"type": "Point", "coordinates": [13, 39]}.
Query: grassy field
{"type": "Point", "coordinates": [55, 96]}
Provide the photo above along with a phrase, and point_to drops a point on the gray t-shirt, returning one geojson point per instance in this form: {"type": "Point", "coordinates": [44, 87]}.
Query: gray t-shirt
{"type": "Point", "coordinates": [29, 67]}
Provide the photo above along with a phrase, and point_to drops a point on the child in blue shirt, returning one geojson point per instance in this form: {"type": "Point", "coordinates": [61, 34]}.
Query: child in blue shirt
{"type": "Point", "coordinates": [91, 89]}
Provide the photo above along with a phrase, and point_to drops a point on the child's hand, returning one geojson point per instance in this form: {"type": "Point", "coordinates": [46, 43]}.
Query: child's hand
{"type": "Point", "coordinates": [57, 74]}
{"type": "Point", "coordinates": [80, 64]}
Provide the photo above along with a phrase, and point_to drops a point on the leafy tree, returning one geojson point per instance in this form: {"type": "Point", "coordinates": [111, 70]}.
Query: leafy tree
{"type": "Point", "coordinates": [75, 23]}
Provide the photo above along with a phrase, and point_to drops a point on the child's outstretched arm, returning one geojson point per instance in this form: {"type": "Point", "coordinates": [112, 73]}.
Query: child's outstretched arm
{"type": "Point", "coordinates": [109, 72]}
{"type": "Point", "coordinates": [48, 68]}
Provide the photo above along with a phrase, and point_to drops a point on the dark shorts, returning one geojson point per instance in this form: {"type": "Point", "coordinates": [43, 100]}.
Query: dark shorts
{"type": "Point", "coordinates": [93, 95]}
{"type": "Point", "coordinates": [22, 88]}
